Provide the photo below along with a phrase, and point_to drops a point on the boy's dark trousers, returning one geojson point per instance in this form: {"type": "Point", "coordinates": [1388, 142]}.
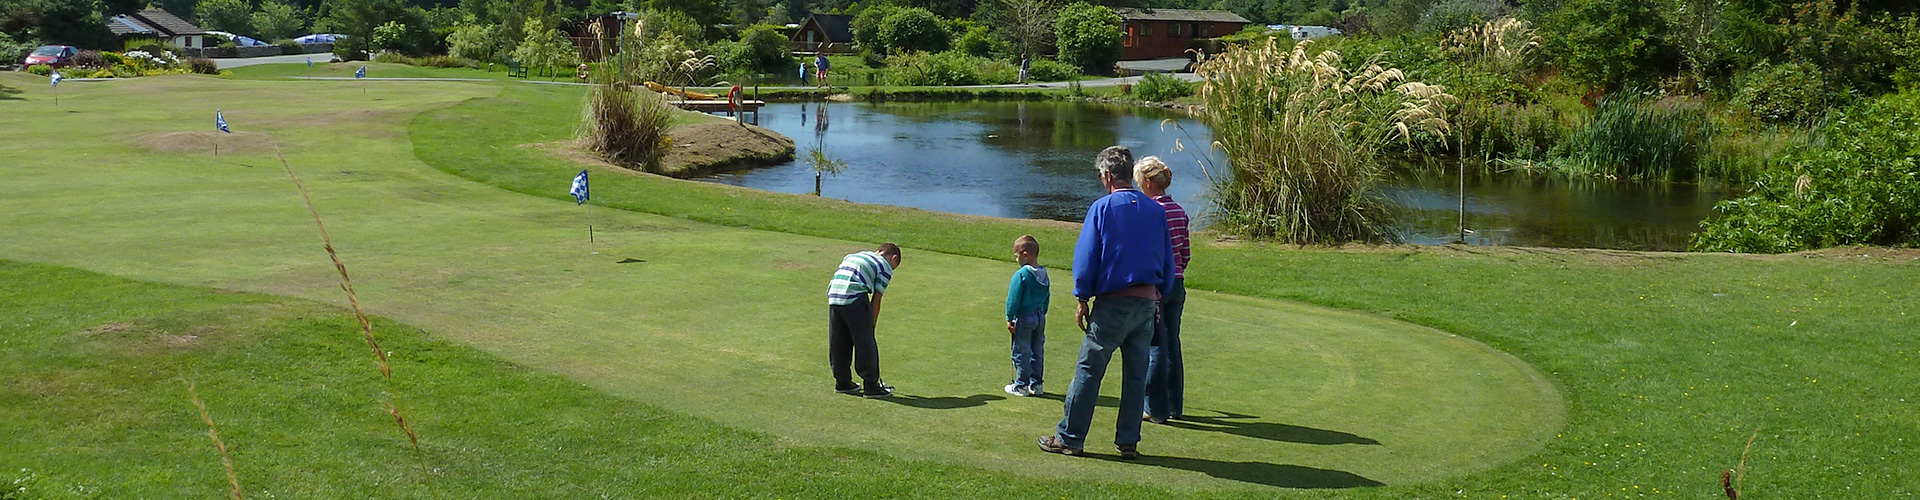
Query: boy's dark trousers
{"type": "Point", "coordinates": [850, 344]}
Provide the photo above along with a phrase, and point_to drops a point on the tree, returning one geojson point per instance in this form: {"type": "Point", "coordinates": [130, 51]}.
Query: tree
{"type": "Point", "coordinates": [1088, 36]}
{"type": "Point", "coordinates": [357, 19]}
{"type": "Point", "coordinates": [232, 16]}
{"type": "Point", "coordinates": [1610, 43]}
{"type": "Point", "coordinates": [277, 20]}
{"type": "Point", "coordinates": [73, 22]}
{"type": "Point", "coordinates": [1029, 25]}
{"type": "Point", "coordinates": [704, 12]}
{"type": "Point", "coordinates": [657, 23]}
{"type": "Point", "coordinates": [391, 36]}
{"type": "Point", "coordinates": [766, 49]}
{"type": "Point", "coordinates": [866, 27]}
{"type": "Point", "coordinates": [480, 42]}
{"type": "Point", "coordinates": [547, 48]}
{"type": "Point", "coordinates": [913, 29]}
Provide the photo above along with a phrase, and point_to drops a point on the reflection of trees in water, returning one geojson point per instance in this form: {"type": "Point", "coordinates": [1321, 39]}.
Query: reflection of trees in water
{"type": "Point", "coordinates": [1533, 209]}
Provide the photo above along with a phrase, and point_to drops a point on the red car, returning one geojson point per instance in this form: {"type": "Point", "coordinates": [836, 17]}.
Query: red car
{"type": "Point", "coordinates": [57, 56]}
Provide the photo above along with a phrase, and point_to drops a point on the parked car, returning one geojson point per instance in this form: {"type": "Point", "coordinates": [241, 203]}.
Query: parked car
{"type": "Point", "coordinates": [57, 56]}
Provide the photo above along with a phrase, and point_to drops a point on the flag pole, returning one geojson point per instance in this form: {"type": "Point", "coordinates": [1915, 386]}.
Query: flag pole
{"type": "Point", "coordinates": [590, 228]}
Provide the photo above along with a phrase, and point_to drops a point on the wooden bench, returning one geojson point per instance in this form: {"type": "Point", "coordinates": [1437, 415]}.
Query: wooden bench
{"type": "Point", "coordinates": [515, 70]}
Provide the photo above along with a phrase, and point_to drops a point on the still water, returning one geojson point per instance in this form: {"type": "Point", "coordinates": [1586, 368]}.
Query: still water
{"type": "Point", "coordinates": [1035, 160]}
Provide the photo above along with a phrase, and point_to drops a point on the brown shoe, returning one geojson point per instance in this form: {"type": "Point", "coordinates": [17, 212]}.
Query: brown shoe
{"type": "Point", "coordinates": [1129, 451]}
{"type": "Point", "coordinates": [1051, 444]}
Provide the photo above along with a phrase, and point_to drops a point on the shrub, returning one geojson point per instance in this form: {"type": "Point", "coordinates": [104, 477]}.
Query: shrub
{"type": "Point", "coordinates": [766, 49]}
{"type": "Point", "coordinates": [628, 127]}
{"type": "Point", "coordinates": [276, 20]}
{"type": "Point", "coordinates": [203, 66]}
{"type": "Point", "coordinates": [546, 49]}
{"type": "Point", "coordinates": [913, 29]}
{"type": "Point", "coordinates": [866, 27]}
{"type": "Point", "coordinates": [976, 42]}
{"type": "Point", "coordinates": [40, 69]}
{"type": "Point", "coordinates": [479, 42]}
{"type": "Point", "coordinates": [1161, 87]}
{"type": "Point", "coordinates": [1088, 36]}
{"type": "Point", "coordinates": [89, 59]}
{"type": "Point", "coordinates": [1303, 137]}
{"type": "Point", "coordinates": [1777, 93]}
{"type": "Point", "coordinates": [1048, 70]}
{"type": "Point", "coordinates": [391, 36]}
{"type": "Point", "coordinates": [287, 47]}
{"type": "Point", "coordinates": [446, 62]}
{"type": "Point", "coordinates": [1862, 186]}
{"type": "Point", "coordinates": [947, 69]}
{"type": "Point", "coordinates": [1503, 129]}
{"type": "Point", "coordinates": [14, 50]}
{"type": "Point", "coordinates": [1610, 43]}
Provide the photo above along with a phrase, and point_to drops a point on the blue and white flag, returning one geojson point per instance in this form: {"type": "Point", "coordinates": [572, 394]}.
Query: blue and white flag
{"type": "Point", "coordinates": [579, 190]}
{"type": "Point", "coordinates": [309, 61]}
{"type": "Point", "coordinates": [56, 78]}
{"type": "Point", "coordinates": [220, 120]}
{"type": "Point", "coordinates": [362, 73]}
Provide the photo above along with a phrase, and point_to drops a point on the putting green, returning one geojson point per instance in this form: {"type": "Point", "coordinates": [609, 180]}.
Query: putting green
{"type": "Point", "coordinates": [714, 322]}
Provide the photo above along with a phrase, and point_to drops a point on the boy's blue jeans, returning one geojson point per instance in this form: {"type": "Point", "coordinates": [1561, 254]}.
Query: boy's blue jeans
{"type": "Point", "coordinates": [1166, 377]}
{"type": "Point", "coordinates": [1116, 323]}
{"type": "Point", "coordinates": [1029, 349]}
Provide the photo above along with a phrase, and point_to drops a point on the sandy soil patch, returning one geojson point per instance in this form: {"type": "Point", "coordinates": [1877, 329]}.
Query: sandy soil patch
{"type": "Point", "coordinates": [203, 141]}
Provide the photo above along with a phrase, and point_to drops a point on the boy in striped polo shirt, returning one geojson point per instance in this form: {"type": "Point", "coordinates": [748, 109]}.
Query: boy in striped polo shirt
{"type": "Point", "coordinates": [1166, 373]}
{"type": "Point", "coordinates": [853, 308]}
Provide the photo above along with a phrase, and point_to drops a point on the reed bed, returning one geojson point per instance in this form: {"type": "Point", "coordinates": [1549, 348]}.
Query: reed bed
{"type": "Point", "coordinates": [1304, 137]}
{"type": "Point", "coordinates": [626, 126]}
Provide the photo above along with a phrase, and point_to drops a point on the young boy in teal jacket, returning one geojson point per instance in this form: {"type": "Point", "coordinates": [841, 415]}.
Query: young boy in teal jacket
{"type": "Point", "coordinates": [1027, 318]}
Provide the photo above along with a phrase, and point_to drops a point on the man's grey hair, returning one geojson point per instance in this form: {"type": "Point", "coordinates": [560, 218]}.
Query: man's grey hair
{"type": "Point", "coordinates": [1117, 161]}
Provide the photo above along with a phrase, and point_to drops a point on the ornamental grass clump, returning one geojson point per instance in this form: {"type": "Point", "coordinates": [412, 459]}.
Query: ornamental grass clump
{"type": "Point", "coordinates": [1304, 137]}
{"type": "Point", "coordinates": [627, 126]}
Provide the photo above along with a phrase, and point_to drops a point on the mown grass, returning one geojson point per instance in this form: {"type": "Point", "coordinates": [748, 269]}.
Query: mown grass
{"type": "Point", "coordinates": [1671, 362]}
{"type": "Point", "coordinates": [703, 320]}
{"type": "Point", "coordinates": [95, 405]}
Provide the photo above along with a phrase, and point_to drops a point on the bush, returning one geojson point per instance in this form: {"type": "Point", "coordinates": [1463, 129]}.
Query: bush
{"type": "Point", "coordinates": [1502, 129]}
{"type": "Point", "coordinates": [14, 50]}
{"type": "Point", "coordinates": [1777, 93]}
{"type": "Point", "coordinates": [977, 42]}
{"type": "Point", "coordinates": [1048, 70]}
{"type": "Point", "coordinates": [480, 42]}
{"type": "Point", "coordinates": [1088, 36]}
{"type": "Point", "coordinates": [287, 47]}
{"type": "Point", "coordinates": [40, 69]}
{"type": "Point", "coordinates": [913, 29]}
{"type": "Point", "coordinates": [947, 69]}
{"type": "Point", "coordinates": [1861, 187]}
{"type": "Point", "coordinates": [866, 27]}
{"type": "Point", "coordinates": [628, 127]}
{"type": "Point", "coordinates": [546, 49]}
{"type": "Point", "coordinates": [203, 66]}
{"type": "Point", "coordinates": [1161, 87]}
{"type": "Point", "coordinates": [1610, 43]}
{"type": "Point", "coordinates": [89, 59]}
{"type": "Point", "coordinates": [766, 49]}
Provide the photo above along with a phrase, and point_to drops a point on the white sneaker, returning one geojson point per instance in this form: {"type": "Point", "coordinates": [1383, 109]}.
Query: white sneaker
{"type": "Point", "coordinates": [1016, 390]}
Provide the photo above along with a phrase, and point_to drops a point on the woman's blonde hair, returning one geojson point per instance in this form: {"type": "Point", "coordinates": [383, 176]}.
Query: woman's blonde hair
{"type": "Point", "coordinates": [1152, 169]}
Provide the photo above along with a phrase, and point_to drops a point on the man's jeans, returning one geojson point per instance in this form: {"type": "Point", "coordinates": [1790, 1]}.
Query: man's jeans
{"type": "Point", "coordinates": [1126, 324]}
{"type": "Point", "coordinates": [1029, 349]}
{"type": "Point", "coordinates": [1166, 377]}
{"type": "Point", "coordinates": [850, 344]}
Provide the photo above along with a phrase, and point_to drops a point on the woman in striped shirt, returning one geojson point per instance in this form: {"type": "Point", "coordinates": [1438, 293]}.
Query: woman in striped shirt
{"type": "Point", "coordinates": [1166, 377]}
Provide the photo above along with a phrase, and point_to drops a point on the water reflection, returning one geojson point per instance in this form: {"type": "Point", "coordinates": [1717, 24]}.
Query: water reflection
{"type": "Point", "coordinates": [1035, 160]}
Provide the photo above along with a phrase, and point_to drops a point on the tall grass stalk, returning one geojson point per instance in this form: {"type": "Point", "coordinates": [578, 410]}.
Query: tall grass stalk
{"type": "Point", "coordinates": [1304, 136]}
{"type": "Point", "coordinates": [625, 125]}
{"type": "Point", "coordinates": [214, 433]}
{"type": "Point", "coordinates": [1633, 136]}
{"type": "Point", "coordinates": [359, 313]}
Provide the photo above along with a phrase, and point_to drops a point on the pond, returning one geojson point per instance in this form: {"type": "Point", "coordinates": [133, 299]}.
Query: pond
{"type": "Point", "coordinates": [1035, 160]}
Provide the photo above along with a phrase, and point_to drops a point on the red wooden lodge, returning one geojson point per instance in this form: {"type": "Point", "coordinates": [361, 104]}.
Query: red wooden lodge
{"type": "Point", "coordinates": [1168, 33]}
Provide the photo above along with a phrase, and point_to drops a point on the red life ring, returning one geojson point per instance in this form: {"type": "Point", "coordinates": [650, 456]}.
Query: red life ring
{"type": "Point", "coordinates": [581, 72]}
{"type": "Point", "coordinates": [735, 98]}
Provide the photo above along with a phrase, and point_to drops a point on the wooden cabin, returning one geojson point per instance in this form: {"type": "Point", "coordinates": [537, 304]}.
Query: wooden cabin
{"type": "Point", "coordinates": [1168, 33]}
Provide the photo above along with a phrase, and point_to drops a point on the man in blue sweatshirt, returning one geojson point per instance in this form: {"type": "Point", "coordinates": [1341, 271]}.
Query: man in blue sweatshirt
{"type": "Point", "coordinates": [1122, 265]}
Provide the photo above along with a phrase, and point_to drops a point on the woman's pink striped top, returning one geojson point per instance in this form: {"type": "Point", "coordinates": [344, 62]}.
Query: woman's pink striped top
{"type": "Point", "coordinates": [1177, 228]}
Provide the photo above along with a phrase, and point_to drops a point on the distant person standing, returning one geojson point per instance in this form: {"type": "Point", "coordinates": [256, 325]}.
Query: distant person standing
{"type": "Point", "coordinates": [803, 73]}
{"type": "Point", "coordinates": [1122, 265]}
{"type": "Point", "coordinates": [853, 309]}
{"type": "Point", "coordinates": [1025, 64]}
{"type": "Point", "coordinates": [1166, 374]}
{"type": "Point", "coordinates": [820, 66]}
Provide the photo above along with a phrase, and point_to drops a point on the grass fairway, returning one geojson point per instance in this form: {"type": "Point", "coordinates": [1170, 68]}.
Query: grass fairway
{"type": "Point", "coordinates": [717, 322]}
{"type": "Point", "coordinates": [722, 322]}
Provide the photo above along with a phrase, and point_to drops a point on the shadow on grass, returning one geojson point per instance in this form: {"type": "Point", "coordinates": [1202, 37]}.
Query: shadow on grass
{"type": "Point", "coordinates": [942, 402]}
{"type": "Point", "coordinates": [1243, 425]}
{"type": "Point", "coordinates": [10, 94]}
{"type": "Point", "coordinates": [1278, 475]}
